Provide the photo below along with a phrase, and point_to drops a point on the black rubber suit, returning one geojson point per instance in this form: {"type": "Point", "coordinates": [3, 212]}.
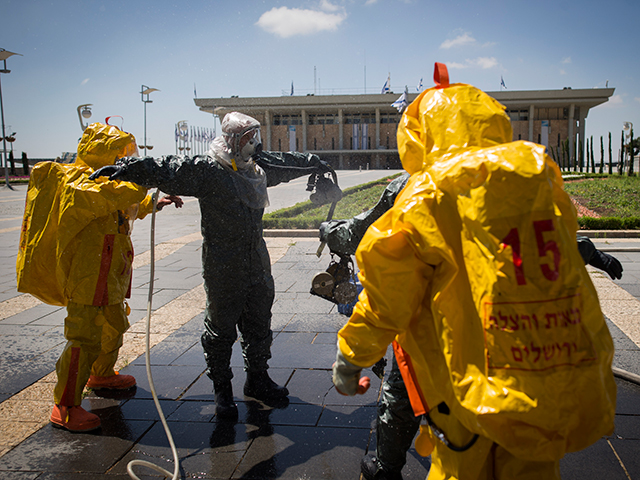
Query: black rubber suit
{"type": "Point", "coordinates": [396, 424]}
{"type": "Point", "coordinates": [235, 260]}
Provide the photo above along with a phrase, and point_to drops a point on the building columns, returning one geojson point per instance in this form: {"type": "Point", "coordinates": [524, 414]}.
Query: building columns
{"type": "Point", "coordinates": [531, 117]}
{"type": "Point", "coordinates": [570, 134]}
{"type": "Point", "coordinates": [377, 128]}
{"type": "Point", "coordinates": [303, 115]}
{"type": "Point", "coordinates": [582, 131]}
{"type": "Point", "coordinates": [340, 139]}
{"type": "Point", "coordinates": [267, 121]}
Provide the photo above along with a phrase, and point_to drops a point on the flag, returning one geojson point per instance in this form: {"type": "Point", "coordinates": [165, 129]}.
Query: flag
{"type": "Point", "coordinates": [402, 102]}
{"type": "Point", "coordinates": [195, 95]}
{"type": "Point", "coordinates": [419, 89]}
{"type": "Point", "coordinates": [387, 86]}
{"type": "Point", "coordinates": [292, 88]}
{"type": "Point", "coordinates": [502, 82]}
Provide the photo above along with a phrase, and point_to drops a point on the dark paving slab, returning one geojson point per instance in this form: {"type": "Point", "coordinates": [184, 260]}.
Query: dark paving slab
{"type": "Point", "coordinates": [54, 450]}
{"type": "Point", "coordinates": [316, 433]}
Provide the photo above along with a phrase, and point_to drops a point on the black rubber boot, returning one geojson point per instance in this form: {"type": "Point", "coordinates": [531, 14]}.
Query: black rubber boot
{"type": "Point", "coordinates": [371, 470]}
{"type": "Point", "coordinates": [260, 386]}
{"type": "Point", "coordinates": [225, 406]}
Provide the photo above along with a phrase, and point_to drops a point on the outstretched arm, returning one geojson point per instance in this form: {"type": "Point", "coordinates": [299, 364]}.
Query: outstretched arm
{"type": "Point", "coordinates": [285, 166]}
{"type": "Point", "coordinates": [343, 236]}
{"type": "Point", "coordinates": [176, 175]}
{"type": "Point", "coordinates": [594, 257]}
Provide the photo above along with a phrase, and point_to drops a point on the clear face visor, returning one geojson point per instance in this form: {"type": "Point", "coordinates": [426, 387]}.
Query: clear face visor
{"type": "Point", "coordinates": [131, 150]}
{"type": "Point", "coordinates": [249, 143]}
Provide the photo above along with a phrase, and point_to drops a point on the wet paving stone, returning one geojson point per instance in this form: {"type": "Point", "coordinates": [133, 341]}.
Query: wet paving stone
{"type": "Point", "coordinates": [54, 450]}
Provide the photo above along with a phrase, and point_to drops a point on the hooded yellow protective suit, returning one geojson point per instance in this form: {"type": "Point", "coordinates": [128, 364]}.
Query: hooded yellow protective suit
{"type": "Point", "coordinates": [75, 250]}
{"type": "Point", "coordinates": [475, 273]}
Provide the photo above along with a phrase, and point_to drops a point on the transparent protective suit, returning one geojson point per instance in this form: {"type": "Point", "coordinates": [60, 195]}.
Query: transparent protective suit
{"type": "Point", "coordinates": [475, 273]}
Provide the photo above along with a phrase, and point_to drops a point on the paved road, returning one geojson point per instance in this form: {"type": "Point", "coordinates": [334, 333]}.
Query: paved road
{"type": "Point", "coordinates": [305, 439]}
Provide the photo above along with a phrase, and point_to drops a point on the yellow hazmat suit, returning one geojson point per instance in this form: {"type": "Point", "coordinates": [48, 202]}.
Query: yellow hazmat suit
{"type": "Point", "coordinates": [475, 273]}
{"type": "Point", "coordinates": [75, 250]}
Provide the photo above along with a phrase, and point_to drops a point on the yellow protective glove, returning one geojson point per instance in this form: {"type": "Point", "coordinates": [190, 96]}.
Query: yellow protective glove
{"type": "Point", "coordinates": [346, 377]}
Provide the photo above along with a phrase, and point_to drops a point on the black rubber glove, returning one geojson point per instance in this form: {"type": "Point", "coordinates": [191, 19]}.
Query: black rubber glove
{"type": "Point", "coordinates": [324, 167]}
{"type": "Point", "coordinates": [111, 171]}
{"type": "Point", "coordinates": [608, 263]}
{"type": "Point", "coordinates": [323, 231]}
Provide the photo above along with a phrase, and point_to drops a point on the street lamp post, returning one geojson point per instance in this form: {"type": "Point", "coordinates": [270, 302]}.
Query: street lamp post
{"type": "Point", "coordinates": [4, 54]}
{"type": "Point", "coordinates": [84, 113]}
{"type": "Point", "coordinates": [144, 93]}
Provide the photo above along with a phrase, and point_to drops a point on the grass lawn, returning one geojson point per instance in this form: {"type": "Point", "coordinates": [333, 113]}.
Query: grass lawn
{"type": "Point", "coordinates": [608, 196]}
{"type": "Point", "coordinates": [616, 198]}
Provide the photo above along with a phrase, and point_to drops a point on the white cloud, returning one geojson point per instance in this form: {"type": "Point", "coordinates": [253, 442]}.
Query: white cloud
{"type": "Point", "coordinates": [482, 62]}
{"type": "Point", "coordinates": [562, 72]}
{"type": "Point", "coordinates": [614, 102]}
{"type": "Point", "coordinates": [371, 2]}
{"type": "Point", "coordinates": [566, 60]}
{"type": "Point", "coordinates": [637, 99]}
{"type": "Point", "coordinates": [460, 40]}
{"type": "Point", "coordinates": [84, 82]}
{"type": "Point", "coordinates": [288, 22]}
{"type": "Point", "coordinates": [327, 6]}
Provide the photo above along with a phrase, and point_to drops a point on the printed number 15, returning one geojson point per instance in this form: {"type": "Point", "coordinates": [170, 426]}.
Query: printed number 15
{"type": "Point", "coordinates": [540, 227]}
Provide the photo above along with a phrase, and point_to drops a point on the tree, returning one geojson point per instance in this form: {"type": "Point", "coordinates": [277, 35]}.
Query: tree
{"type": "Point", "coordinates": [610, 157]}
{"type": "Point", "coordinates": [581, 156]}
{"type": "Point", "coordinates": [25, 164]}
{"type": "Point", "coordinates": [601, 169]}
{"type": "Point", "coordinates": [593, 159]}
{"type": "Point", "coordinates": [631, 155]}
{"type": "Point", "coordinates": [621, 164]}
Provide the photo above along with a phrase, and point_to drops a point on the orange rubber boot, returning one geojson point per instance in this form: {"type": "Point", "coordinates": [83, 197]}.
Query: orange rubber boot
{"type": "Point", "coordinates": [74, 419]}
{"type": "Point", "coordinates": [116, 382]}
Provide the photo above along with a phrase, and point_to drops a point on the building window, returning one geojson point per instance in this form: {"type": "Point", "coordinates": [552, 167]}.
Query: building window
{"type": "Point", "coordinates": [333, 143]}
{"type": "Point", "coordinates": [315, 143]}
{"type": "Point", "coordinates": [328, 119]}
{"type": "Point", "coordinates": [279, 144]}
{"type": "Point", "coordinates": [518, 115]}
{"type": "Point", "coordinates": [558, 140]}
{"type": "Point", "coordinates": [389, 118]}
{"type": "Point", "coordinates": [287, 120]}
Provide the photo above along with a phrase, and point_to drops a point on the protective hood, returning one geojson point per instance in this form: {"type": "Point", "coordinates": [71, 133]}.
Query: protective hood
{"type": "Point", "coordinates": [102, 144]}
{"type": "Point", "coordinates": [250, 180]}
{"type": "Point", "coordinates": [447, 118]}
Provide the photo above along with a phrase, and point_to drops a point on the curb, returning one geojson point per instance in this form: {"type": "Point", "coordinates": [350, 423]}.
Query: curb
{"type": "Point", "coordinates": [610, 233]}
{"type": "Point", "coordinates": [313, 233]}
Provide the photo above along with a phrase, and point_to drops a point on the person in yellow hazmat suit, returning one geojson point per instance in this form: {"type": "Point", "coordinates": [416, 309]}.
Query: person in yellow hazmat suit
{"type": "Point", "coordinates": [76, 251]}
{"type": "Point", "coordinates": [475, 277]}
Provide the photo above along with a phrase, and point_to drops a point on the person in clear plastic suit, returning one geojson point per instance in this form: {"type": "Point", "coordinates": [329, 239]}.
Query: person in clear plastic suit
{"type": "Point", "coordinates": [231, 183]}
{"type": "Point", "coordinates": [76, 251]}
{"type": "Point", "coordinates": [475, 277]}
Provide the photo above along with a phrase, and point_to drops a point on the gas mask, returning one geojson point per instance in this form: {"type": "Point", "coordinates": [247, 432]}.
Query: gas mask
{"type": "Point", "coordinates": [248, 144]}
{"type": "Point", "coordinates": [338, 283]}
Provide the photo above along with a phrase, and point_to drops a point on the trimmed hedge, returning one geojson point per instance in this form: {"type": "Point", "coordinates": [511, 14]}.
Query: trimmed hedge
{"type": "Point", "coordinates": [609, 223]}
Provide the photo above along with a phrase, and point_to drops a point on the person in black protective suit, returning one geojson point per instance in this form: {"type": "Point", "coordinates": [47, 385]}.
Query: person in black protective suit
{"type": "Point", "coordinates": [396, 424]}
{"type": "Point", "coordinates": [230, 183]}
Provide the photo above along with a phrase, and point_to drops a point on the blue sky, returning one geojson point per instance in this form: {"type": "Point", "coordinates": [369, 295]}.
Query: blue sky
{"type": "Point", "coordinates": [98, 52]}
